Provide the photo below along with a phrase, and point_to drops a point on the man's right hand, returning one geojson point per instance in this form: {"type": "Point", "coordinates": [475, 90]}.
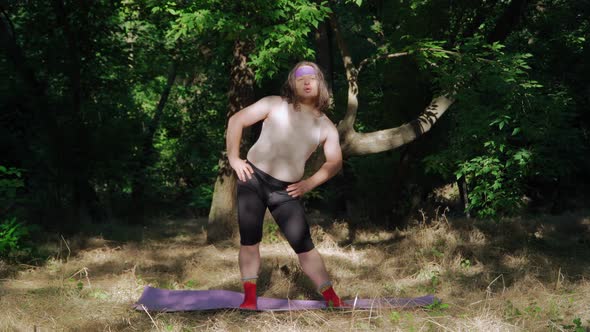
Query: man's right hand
{"type": "Point", "coordinates": [242, 168]}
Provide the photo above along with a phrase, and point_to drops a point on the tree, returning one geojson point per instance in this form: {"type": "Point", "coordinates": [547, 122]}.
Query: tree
{"type": "Point", "coordinates": [222, 215]}
{"type": "Point", "coordinates": [355, 143]}
{"type": "Point", "coordinates": [264, 36]}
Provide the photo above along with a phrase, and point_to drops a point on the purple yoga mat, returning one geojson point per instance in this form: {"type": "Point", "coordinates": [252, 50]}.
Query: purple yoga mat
{"type": "Point", "coordinates": [192, 300]}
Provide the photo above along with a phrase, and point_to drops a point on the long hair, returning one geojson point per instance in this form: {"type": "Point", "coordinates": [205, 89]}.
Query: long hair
{"type": "Point", "coordinates": [290, 93]}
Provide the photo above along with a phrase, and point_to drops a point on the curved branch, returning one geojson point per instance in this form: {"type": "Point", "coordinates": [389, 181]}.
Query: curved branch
{"type": "Point", "coordinates": [388, 139]}
{"type": "Point", "coordinates": [354, 143]}
{"type": "Point", "coordinates": [347, 124]}
{"type": "Point", "coordinates": [7, 20]}
{"type": "Point", "coordinates": [400, 54]}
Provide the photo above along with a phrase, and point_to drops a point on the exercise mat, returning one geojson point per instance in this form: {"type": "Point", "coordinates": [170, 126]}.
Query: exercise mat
{"type": "Point", "coordinates": [156, 299]}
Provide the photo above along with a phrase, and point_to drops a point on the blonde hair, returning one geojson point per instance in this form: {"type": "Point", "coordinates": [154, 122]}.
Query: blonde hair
{"type": "Point", "coordinates": [290, 93]}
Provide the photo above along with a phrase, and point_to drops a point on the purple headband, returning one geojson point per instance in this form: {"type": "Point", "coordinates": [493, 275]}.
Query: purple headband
{"type": "Point", "coordinates": [304, 70]}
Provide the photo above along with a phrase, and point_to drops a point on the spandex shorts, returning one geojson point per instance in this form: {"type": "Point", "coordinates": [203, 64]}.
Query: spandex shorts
{"type": "Point", "coordinates": [262, 191]}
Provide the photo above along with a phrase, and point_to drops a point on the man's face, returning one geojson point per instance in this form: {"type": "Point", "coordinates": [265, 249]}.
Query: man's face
{"type": "Point", "coordinates": [307, 86]}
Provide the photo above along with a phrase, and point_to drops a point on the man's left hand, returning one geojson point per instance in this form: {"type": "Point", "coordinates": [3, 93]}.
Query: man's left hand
{"type": "Point", "coordinates": [299, 188]}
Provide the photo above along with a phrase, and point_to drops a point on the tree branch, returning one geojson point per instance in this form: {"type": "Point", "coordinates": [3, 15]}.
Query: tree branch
{"type": "Point", "coordinates": [400, 54]}
{"type": "Point", "coordinates": [346, 126]}
{"type": "Point", "coordinates": [392, 138]}
{"type": "Point", "coordinates": [73, 70]}
{"type": "Point", "coordinates": [17, 57]}
{"type": "Point", "coordinates": [354, 143]}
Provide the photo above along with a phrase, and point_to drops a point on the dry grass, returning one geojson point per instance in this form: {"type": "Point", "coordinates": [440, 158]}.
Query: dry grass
{"type": "Point", "coordinates": [521, 275]}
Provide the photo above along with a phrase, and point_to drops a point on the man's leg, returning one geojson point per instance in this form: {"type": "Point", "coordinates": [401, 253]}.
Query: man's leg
{"type": "Point", "coordinates": [251, 210]}
{"type": "Point", "coordinates": [313, 266]}
{"type": "Point", "coordinates": [249, 260]}
{"type": "Point", "coordinates": [290, 216]}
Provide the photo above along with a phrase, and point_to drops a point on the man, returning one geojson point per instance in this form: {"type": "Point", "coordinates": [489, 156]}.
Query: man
{"type": "Point", "coordinates": [271, 176]}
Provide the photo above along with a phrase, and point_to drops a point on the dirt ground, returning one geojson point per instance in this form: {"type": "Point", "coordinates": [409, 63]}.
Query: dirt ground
{"type": "Point", "coordinates": [516, 275]}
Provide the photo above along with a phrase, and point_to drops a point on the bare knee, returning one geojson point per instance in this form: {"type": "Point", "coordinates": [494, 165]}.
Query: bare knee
{"type": "Point", "coordinates": [307, 254]}
{"type": "Point", "coordinates": [251, 249]}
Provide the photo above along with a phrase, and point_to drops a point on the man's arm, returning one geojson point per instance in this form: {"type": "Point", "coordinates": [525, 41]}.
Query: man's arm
{"type": "Point", "coordinates": [333, 155]}
{"type": "Point", "coordinates": [245, 118]}
{"type": "Point", "coordinates": [333, 164]}
{"type": "Point", "coordinates": [237, 122]}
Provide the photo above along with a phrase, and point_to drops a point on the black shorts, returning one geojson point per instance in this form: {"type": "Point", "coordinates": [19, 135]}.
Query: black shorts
{"type": "Point", "coordinates": [262, 191]}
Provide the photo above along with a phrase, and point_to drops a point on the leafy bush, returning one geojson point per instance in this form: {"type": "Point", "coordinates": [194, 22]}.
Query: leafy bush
{"type": "Point", "coordinates": [10, 182]}
{"type": "Point", "coordinates": [201, 198]}
{"type": "Point", "coordinates": [507, 129]}
{"type": "Point", "coordinates": [495, 180]}
{"type": "Point", "coordinates": [11, 232]}
{"type": "Point", "coordinates": [11, 235]}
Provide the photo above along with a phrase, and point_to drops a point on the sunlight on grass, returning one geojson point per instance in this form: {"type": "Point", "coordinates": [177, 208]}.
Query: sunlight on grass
{"type": "Point", "coordinates": [486, 282]}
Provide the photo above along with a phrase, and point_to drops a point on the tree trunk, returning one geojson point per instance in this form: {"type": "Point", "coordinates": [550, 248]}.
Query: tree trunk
{"type": "Point", "coordinates": [509, 19]}
{"type": "Point", "coordinates": [464, 195]}
{"type": "Point", "coordinates": [223, 213]}
{"type": "Point", "coordinates": [323, 42]}
{"type": "Point", "coordinates": [77, 149]}
{"type": "Point", "coordinates": [324, 58]}
{"type": "Point", "coordinates": [222, 222]}
{"type": "Point", "coordinates": [401, 175]}
{"type": "Point", "coordinates": [354, 143]}
{"type": "Point", "coordinates": [146, 157]}
{"type": "Point", "coordinates": [42, 128]}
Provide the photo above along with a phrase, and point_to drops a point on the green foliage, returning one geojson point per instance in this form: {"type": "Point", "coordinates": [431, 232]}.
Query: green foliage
{"type": "Point", "coordinates": [437, 307]}
{"type": "Point", "coordinates": [271, 232]}
{"type": "Point", "coordinates": [11, 186]}
{"type": "Point", "coordinates": [518, 124]}
{"type": "Point", "coordinates": [278, 29]}
{"type": "Point", "coordinates": [433, 282]}
{"type": "Point", "coordinates": [12, 234]}
{"type": "Point", "coordinates": [497, 131]}
{"type": "Point", "coordinates": [496, 145]}
{"type": "Point", "coordinates": [202, 196]}
{"type": "Point", "coordinates": [190, 284]}
{"type": "Point", "coordinates": [495, 179]}
{"type": "Point", "coordinates": [395, 316]}
{"type": "Point", "coordinates": [356, 2]}
{"type": "Point", "coordinates": [10, 182]}
{"type": "Point", "coordinates": [465, 263]}
{"type": "Point", "coordinates": [511, 311]}
{"type": "Point", "coordinates": [576, 327]}
{"type": "Point", "coordinates": [533, 310]}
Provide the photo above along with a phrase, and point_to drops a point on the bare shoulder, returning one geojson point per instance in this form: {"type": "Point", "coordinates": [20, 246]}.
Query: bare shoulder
{"type": "Point", "coordinates": [273, 101]}
{"type": "Point", "coordinates": [327, 124]}
{"type": "Point", "coordinates": [258, 111]}
{"type": "Point", "coordinates": [328, 128]}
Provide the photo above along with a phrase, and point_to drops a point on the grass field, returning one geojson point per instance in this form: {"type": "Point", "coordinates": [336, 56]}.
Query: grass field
{"type": "Point", "coordinates": [517, 275]}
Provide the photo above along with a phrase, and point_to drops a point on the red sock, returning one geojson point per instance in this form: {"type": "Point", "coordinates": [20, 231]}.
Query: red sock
{"type": "Point", "coordinates": [249, 296]}
{"type": "Point", "coordinates": [331, 297]}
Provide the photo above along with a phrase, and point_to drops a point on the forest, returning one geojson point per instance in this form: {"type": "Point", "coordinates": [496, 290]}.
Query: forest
{"type": "Point", "coordinates": [464, 129]}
